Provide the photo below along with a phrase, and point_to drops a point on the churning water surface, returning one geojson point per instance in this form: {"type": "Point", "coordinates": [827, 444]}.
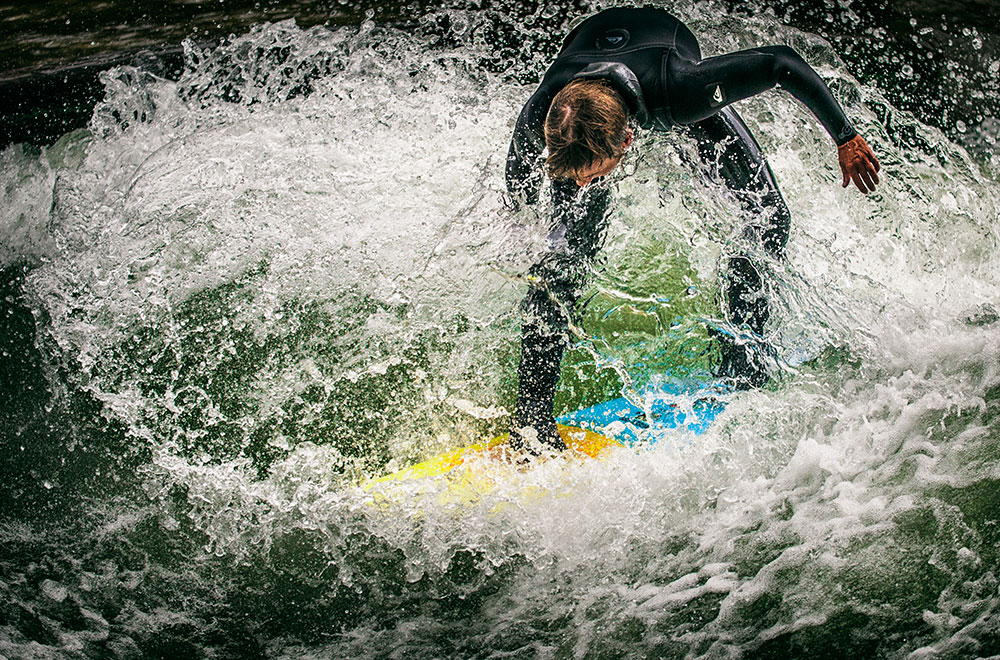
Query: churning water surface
{"type": "Point", "coordinates": [292, 268]}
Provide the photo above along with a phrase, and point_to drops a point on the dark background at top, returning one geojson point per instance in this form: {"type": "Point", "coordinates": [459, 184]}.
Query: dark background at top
{"type": "Point", "coordinates": [922, 54]}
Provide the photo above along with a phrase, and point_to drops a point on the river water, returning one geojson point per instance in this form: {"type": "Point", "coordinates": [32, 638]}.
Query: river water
{"type": "Point", "coordinates": [235, 296]}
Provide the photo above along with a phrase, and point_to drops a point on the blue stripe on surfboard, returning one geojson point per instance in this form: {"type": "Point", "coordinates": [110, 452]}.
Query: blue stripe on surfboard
{"type": "Point", "coordinates": [673, 405]}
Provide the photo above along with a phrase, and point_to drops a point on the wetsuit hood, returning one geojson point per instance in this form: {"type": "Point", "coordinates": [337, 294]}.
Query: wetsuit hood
{"type": "Point", "coordinates": [624, 81]}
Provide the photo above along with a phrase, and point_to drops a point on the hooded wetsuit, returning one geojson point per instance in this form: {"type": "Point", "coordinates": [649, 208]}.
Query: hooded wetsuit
{"type": "Point", "coordinates": [654, 62]}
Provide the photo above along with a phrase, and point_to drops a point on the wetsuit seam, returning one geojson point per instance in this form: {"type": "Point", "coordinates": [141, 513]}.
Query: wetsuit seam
{"type": "Point", "coordinates": [609, 55]}
{"type": "Point", "coordinates": [665, 83]}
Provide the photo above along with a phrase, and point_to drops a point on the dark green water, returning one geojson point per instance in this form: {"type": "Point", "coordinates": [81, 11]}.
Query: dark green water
{"type": "Point", "coordinates": [249, 282]}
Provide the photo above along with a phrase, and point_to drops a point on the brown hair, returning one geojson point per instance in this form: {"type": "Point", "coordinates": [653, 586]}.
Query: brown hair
{"type": "Point", "coordinates": [587, 122]}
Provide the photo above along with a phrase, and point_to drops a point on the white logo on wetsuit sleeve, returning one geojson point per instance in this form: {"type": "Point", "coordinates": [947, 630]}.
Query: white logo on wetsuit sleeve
{"type": "Point", "coordinates": [717, 96]}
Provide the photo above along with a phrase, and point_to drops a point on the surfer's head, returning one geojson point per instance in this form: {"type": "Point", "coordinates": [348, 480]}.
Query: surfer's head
{"type": "Point", "coordinates": [586, 131]}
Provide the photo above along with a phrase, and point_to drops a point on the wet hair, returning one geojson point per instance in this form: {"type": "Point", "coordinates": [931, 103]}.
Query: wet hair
{"type": "Point", "coordinates": [587, 122]}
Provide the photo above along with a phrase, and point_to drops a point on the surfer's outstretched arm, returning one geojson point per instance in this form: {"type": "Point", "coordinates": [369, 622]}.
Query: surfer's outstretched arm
{"type": "Point", "coordinates": [730, 152]}
{"type": "Point", "coordinates": [699, 88]}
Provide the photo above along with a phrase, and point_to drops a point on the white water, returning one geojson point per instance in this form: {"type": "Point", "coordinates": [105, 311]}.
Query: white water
{"type": "Point", "coordinates": [280, 295]}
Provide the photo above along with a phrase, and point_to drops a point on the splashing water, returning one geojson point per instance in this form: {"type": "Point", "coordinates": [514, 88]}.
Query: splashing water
{"type": "Point", "coordinates": [293, 268]}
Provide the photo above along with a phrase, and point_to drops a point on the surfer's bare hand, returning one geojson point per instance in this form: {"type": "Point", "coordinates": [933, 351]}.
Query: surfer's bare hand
{"type": "Point", "coordinates": [858, 164]}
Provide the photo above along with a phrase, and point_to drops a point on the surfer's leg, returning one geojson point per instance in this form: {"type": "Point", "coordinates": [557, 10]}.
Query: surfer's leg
{"type": "Point", "coordinates": [556, 283]}
{"type": "Point", "coordinates": [730, 152]}
{"type": "Point", "coordinates": [543, 341]}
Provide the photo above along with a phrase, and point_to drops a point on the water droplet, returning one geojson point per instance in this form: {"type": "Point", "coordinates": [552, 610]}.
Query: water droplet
{"type": "Point", "coordinates": [54, 590]}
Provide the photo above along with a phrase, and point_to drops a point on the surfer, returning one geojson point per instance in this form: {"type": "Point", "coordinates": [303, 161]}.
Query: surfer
{"type": "Point", "coordinates": [630, 68]}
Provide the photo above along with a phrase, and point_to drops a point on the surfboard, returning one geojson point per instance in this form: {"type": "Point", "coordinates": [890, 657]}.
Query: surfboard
{"type": "Point", "coordinates": [663, 408]}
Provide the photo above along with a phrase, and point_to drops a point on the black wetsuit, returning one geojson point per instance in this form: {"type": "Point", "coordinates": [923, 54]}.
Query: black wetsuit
{"type": "Point", "coordinates": [654, 62]}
